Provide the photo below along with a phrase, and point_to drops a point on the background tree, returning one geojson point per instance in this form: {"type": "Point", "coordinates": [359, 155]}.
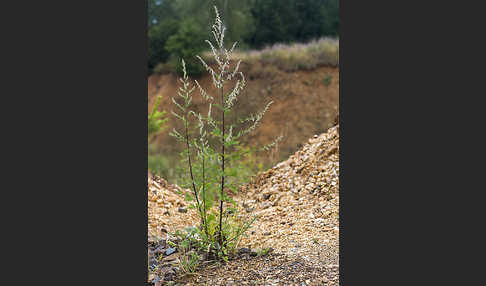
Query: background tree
{"type": "Point", "coordinates": [160, 10]}
{"type": "Point", "coordinates": [157, 41]}
{"type": "Point", "coordinates": [185, 44]}
{"type": "Point", "coordinates": [252, 23]}
{"type": "Point", "coordinates": [330, 18]}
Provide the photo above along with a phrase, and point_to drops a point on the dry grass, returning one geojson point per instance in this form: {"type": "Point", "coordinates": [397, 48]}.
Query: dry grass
{"type": "Point", "coordinates": [292, 57]}
{"type": "Point", "coordinates": [286, 57]}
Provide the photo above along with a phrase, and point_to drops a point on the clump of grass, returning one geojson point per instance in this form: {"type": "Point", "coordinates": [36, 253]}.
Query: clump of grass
{"type": "Point", "coordinates": [164, 68]}
{"type": "Point", "coordinates": [189, 259]}
{"type": "Point", "coordinates": [266, 71]}
{"type": "Point", "coordinates": [296, 56]}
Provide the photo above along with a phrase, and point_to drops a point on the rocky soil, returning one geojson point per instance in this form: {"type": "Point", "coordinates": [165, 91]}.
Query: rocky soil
{"type": "Point", "coordinates": [167, 210]}
{"type": "Point", "coordinates": [297, 207]}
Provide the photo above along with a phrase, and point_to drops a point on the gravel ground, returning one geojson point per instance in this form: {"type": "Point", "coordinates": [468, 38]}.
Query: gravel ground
{"type": "Point", "coordinates": [297, 206]}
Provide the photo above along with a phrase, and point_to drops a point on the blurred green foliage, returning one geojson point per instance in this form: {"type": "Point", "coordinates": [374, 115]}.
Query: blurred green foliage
{"type": "Point", "coordinates": [157, 119]}
{"type": "Point", "coordinates": [157, 39]}
{"type": "Point", "coordinates": [186, 44]}
{"type": "Point", "coordinates": [177, 28]}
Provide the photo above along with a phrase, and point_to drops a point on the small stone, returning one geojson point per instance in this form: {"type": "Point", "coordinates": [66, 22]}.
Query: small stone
{"type": "Point", "coordinates": [266, 205]}
{"type": "Point", "coordinates": [244, 250]}
{"type": "Point", "coordinates": [159, 250]}
{"type": "Point", "coordinates": [151, 277]}
{"type": "Point", "coordinates": [162, 241]}
{"type": "Point", "coordinates": [169, 275]}
{"type": "Point", "coordinates": [293, 251]}
{"type": "Point", "coordinates": [169, 251]}
{"type": "Point", "coordinates": [153, 263]}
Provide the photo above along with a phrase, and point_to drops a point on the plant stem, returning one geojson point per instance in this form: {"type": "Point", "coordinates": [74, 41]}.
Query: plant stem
{"type": "Point", "coordinates": [204, 194]}
{"type": "Point", "coordinates": [190, 169]}
{"type": "Point", "coordinates": [222, 167]}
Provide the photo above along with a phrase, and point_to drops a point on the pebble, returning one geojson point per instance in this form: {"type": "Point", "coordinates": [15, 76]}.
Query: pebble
{"type": "Point", "coordinates": [244, 250]}
{"type": "Point", "coordinates": [169, 251]}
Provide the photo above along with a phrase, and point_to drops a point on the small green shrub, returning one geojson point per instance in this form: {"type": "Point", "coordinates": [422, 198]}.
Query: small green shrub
{"type": "Point", "coordinates": [156, 119]}
{"type": "Point", "coordinates": [157, 122]}
{"type": "Point", "coordinates": [264, 251]}
{"type": "Point", "coordinates": [189, 259]}
{"type": "Point", "coordinates": [327, 79]}
{"type": "Point", "coordinates": [161, 165]}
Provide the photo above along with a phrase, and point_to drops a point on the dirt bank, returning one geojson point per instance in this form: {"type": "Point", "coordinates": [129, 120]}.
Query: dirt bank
{"type": "Point", "coordinates": [305, 103]}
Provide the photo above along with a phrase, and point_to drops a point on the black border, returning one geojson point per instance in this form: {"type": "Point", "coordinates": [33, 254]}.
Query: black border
{"type": "Point", "coordinates": [403, 157]}
{"type": "Point", "coordinates": [78, 82]}
{"type": "Point", "coordinates": [77, 171]}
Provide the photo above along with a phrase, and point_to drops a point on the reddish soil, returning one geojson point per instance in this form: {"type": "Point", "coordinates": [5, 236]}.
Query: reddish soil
{"type": "Point", "coordinates": [303, 105]}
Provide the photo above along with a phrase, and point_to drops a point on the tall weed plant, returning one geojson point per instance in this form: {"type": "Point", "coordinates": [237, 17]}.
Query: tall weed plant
{"type": "Point", "coordinates": [213, 155]}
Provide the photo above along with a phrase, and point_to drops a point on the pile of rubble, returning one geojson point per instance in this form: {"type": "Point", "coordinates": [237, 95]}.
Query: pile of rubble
{"type": "Point", "coordinates": [314, 168]}
{"type": "Point", "coordinates": [167, 210]}
{"type": "Point", "coordinates": [297, 208]}
{"type": "Point", "coordinates": [297, 201]}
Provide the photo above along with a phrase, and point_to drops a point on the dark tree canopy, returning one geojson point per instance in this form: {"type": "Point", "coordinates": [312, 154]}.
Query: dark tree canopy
{"type": "Point", "coordinates": [253, 23]}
